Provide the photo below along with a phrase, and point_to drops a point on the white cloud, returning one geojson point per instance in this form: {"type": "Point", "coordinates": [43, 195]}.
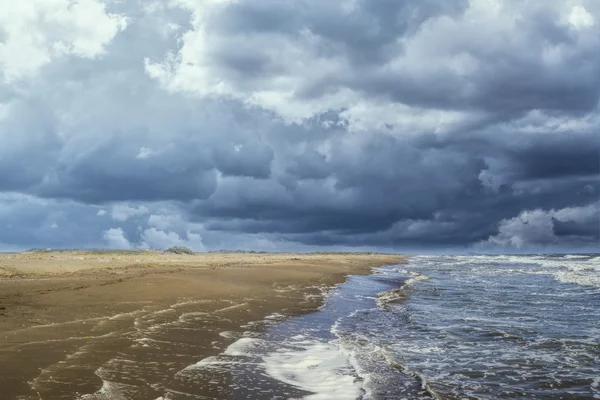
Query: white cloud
{"type": "Point", "coordinates": [115, 238]}
{"type": "Point", "coordinates": [536, 227]}
{"type": "Point", "coordinates": [157, 239]}
{"type": "Point", "coordinates": [530, 227]}
{"type": "Point", "coordinates": [101, 213]}
{"type": "Point", "coordinates": [122, 212]}
{"type": "Point", "coordinates": [193, 70]}
{"type": "Point", "coordinates": [163, 222]}
{"type": "Point", "coordinates": [365, 116]}
{"type": "Point", "coordinates": [37, 31]}
{"type": "Point", "coordinates": [170, 218]}
{"type": "Point", "coordinates": [443, 51]}
{"type": "Point", "coordinates": [580, 18]}
{"type": "Point", "coordinates": [146, 152]}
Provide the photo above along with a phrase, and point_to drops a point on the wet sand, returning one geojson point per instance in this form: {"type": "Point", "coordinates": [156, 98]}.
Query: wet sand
{"type": "Point", "coordinates": [118, 325]}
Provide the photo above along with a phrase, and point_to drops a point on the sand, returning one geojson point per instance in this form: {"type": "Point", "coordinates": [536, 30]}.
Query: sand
{"type": "Point", "coordinates": [123, 325]}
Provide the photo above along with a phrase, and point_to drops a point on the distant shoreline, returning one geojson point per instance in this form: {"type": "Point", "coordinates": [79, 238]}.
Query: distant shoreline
{"type": "Point", "coordinates": [49, 263]}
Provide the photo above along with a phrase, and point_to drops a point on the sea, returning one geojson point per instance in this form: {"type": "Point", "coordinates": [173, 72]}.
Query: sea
{"type": "Point", "coordinates": [438, 327]}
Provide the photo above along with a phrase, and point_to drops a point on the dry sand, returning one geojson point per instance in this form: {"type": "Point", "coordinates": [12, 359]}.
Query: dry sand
{"type": "Point", "coordinates": [119, 325]}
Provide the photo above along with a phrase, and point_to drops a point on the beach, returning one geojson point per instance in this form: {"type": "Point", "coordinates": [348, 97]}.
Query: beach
{"type": "Point", "coordinates": [124, 325]}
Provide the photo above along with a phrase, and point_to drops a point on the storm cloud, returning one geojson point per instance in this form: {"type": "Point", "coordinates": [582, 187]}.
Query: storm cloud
{"type": "Point", "coordinates": [268, 125]}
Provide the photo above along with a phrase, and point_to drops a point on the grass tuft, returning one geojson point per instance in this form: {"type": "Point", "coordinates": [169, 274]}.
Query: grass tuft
{"type": "Point", "coordinates": [179, 250]}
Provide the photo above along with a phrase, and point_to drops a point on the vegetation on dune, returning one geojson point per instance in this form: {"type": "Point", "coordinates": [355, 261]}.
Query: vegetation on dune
{"type": "Point", "coordinates": [179, 250]}
{"type": "Point", "coordinates": [186, 250]}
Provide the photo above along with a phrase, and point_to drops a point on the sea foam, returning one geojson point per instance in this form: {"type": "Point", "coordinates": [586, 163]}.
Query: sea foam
{"type": "Point", "coordinates": [316, 367]}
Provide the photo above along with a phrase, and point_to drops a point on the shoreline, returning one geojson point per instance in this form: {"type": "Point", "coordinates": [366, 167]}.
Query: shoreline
{"type": "Point", "coordinates": [66, 315]}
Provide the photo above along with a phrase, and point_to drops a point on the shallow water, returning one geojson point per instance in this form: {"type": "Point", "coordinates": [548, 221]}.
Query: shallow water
{"type": "Point", "coordinates": [446, 327]}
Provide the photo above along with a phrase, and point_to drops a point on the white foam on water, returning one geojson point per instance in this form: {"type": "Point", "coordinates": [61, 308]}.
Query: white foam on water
{"type": "Point", "coordinates": [313, 366]}
{"type": "Point", "coordinates": [213, 362]}
{"type": "Point", "coordinates": [316, 367]}
{"type": "Point", "coordinates": [229, 334]}
{"type": "Point", "coordinates": [575, 256]}
{"type": "Point", "coordinates": [260, 323]}
{"type": "Point", "coordinates": [232, 307]}
{"type": "Point", "coordinates": [596, 388]}
{"type": "Point", "coordinates": [581, 277]}
{"type": "Point", "coordinates": [416, 278]}
{"type": "Point", "coordinates": [513, 321]}
{"type": "Point", "coordinates": [396, 294]}
{"type": "Point", "coordinates": [360, 370]}
{"type": "Point", "coordinates": [192, 302]}
{"type": "Point", "coordinates": [75, 321]}
{"type": "Point", "coordinates": [189, 317]}
{"type": "Point", "coordinates": [108, 391]}
{"type": "Point", "coordinates": [275, 316]}
{"type": "Point", "coordinates": [245, 346]}
{"type": "Point", "coordinates": [574, 268]}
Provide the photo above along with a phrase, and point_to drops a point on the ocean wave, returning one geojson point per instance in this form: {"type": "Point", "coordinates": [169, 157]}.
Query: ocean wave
{"type": "Point", "coordinates": [506, 326]}
{"type": "Point", "coordinates": [108, 391]}
{"type": "Point", "coordinates": [580, 269]}
{"type": "Point", "coordinates": [431, 388]}
{"type": "Point", "coordinates": [400, 294]}
{"type": "Point", "coordinates": [245, 346]}
{"type": "Point", "coordinates": [382, 374]}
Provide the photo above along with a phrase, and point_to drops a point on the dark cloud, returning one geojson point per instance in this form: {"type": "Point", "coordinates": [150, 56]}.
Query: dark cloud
{"type": "Point", "coordinates": [558, 156]}
{"type": "Point", "coordinates": [576, 230]}
{"type": "Point", "coordinates": [423, 54]}
{"type": "Point", "coordinates": [251, 159]}
{"type": "Point", "coordinates": [277, 125]}
{"type": "Point", "coordinates": [391, 185]}
{"type": "Point", "coordinates": [113, 172]}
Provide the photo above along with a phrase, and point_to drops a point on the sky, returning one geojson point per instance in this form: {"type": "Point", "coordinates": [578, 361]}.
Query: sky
{"type": "Point", "coordinates": [301, 125]}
